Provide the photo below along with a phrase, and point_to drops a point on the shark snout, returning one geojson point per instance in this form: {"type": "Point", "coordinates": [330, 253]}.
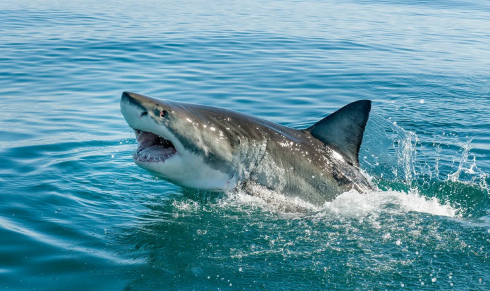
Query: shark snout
{"type": "Point", "coordinates": [144, 113]}
{"type": "Point", "coordinates": [141, 101]}
{"type": "Point", "coordinates": [133, 109]}
{"type": "Point", "coordinates": [133, 99]}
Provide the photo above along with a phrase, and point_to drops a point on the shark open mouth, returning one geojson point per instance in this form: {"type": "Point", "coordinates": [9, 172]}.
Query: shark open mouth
{"type": "Point", "coordinates": [152, 148]}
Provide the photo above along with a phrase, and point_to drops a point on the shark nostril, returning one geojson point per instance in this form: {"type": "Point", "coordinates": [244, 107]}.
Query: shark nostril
{"type": "Point", "coordinates": [144, 113]}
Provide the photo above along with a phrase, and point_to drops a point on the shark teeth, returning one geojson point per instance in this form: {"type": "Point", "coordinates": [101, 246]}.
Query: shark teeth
{"type": "Point", "coordinates": [147, 159]}
{"type": "Point", "coordinates": [152, 148]}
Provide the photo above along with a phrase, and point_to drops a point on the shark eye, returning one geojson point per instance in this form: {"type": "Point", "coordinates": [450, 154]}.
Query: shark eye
{"type": "Point", "coordinates": [163, 113]}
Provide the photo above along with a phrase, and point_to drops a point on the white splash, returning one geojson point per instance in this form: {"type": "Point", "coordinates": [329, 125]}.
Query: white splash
{"type": "Point", "coordinates": [354, 204]}
{"type": "Point", "coordinates": [349, 204]}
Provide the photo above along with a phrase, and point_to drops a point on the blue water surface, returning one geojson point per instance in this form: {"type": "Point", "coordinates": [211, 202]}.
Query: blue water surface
{"type": "Point", "coordinates": [77, 214]}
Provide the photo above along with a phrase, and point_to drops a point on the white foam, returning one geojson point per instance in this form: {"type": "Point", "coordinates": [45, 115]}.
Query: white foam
{"type": "Point", "coordinates": [356, 204]}
{"type": "Point", "coordinates": [348, 204]}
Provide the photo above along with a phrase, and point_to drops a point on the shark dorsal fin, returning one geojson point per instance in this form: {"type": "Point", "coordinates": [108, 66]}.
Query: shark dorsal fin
{"type": "Point", "coordinates": [343, 129]}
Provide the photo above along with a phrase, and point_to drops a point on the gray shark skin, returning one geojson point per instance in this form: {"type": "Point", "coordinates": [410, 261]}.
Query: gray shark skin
{"type": "Point", "coordinates": [208, 148]}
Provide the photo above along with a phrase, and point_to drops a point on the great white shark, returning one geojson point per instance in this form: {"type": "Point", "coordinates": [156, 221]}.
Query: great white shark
{"type": "Point", "coordinates": [215, 149]}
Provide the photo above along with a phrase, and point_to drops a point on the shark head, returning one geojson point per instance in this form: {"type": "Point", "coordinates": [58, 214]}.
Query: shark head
{"type": "Point", "coordinates": [181, 142]}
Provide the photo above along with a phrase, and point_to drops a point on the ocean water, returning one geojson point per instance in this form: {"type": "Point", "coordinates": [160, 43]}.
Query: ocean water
{"type": "Point", "coordinates": [77, 214]}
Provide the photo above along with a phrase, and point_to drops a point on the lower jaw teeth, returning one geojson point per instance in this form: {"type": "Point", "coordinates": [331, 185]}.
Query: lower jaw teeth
{"type": "Point", "coordinates": [149, 158]}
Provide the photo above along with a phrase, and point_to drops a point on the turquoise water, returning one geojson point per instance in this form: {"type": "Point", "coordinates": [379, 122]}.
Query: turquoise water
{"type": "Point", "coordinates": [77, 214]}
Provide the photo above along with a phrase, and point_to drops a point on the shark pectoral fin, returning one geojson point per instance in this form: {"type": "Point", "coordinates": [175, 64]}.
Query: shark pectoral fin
{"type": "Point", "coordinates": [343, 130]}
